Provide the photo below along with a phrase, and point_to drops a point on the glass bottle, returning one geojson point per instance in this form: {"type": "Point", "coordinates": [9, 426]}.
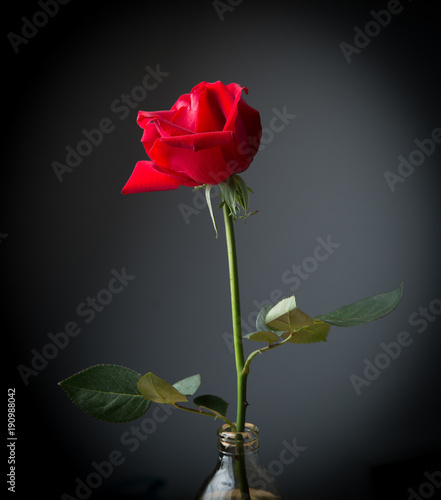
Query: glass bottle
{"type": "Point", "coordinates": [238, 473]}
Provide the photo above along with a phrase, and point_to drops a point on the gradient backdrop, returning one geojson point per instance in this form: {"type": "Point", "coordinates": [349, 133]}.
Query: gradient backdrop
{"type": "Point", "coordinates": [320, 175]}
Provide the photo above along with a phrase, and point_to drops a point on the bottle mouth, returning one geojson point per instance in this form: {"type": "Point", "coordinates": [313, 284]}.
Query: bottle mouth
{"type": "Point", "coordinates": [231, 441]}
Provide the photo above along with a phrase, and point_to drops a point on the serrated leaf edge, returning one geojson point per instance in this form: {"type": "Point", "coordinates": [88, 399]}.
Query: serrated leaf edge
{"type": "Point", "coordinates": [142, 399]}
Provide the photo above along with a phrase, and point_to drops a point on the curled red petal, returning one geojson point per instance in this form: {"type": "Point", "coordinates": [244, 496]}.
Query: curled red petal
{"type": "Point", "coordinates": [146, 178]}
{"type": "Point", "coordinates": [145, 117]}
{"type": "Point", "coordinates": [214, 106]}
{"type": "Point", "coordinates": [170, 129]}
{"type": "Point", "coordinates": [235, 88]}
{"type": "Point", "coordinates": [199, 141]}
{"type": "Point", "coordinates": [158, 128]}
{"type": "Point", "coordinates": [184, 114]}
{"type": "Point", "coordinates": [149, 136]}
{"type": "Point", "coordinates": [244, 121]}
{"type": "Point", "coordinates": [198, 157]}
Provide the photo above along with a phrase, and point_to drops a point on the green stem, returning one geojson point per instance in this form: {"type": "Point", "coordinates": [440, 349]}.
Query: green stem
{"type": "Point", "coordinates": [238, 352]}
{"type": "Point", "coordinates": [241, 470]}
{"type": "Point", "coordinates": [246, 367]}
{"type": "Point", "coordinates": [235, 309]}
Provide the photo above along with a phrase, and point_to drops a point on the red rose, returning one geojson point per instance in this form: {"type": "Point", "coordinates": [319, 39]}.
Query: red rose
{"type": "Point", "coordinates": [207, 136]}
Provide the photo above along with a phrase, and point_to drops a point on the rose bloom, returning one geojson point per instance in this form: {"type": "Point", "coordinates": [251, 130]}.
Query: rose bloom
{"type": "Point", "coordinates": [207, 136]}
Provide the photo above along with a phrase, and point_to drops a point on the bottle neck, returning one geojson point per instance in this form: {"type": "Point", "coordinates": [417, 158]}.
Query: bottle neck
{"type": "Point", "coordinates": [239, 473]}
{"type": "Point", "coordinates": [238, 443]}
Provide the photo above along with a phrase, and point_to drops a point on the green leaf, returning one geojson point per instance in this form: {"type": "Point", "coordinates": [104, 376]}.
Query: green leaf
{"type": "Point", "coordinates": [107, 392]}
{"type": "Point", "coordinates": [317, 332]}
{"type": "Point", "coordinates": [210, 208]}
{"type": "Point", "coordinates": [260, 321]}
{"type": "Point", "coordinates": [263, 336]}
{"type": "Point", "coordinates": [285, 315]}
{"type": "Point", "coordinates": [364, 310]}
{"type": "Point", "coordinates": [263, 333]}
{"type": "Point", "coordinates": [159, 391]}
{"type": "Point", "coordinates": [213, 403]}
{"type": "Point", "coordinates": [188, 386]}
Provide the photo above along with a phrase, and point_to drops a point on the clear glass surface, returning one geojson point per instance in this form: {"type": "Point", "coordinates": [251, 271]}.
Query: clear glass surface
{"type": "Point", "coordinates": [238, 473]}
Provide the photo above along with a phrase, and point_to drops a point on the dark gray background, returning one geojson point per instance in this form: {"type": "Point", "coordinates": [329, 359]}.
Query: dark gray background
{"type": "Point", "coordinates": [323, 175]}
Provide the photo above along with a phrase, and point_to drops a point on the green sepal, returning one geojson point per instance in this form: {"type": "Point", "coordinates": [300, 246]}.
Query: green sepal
{"type": "Point", "coordinates": [242, 193]}
{"type": "Point", "coordinates": [365, 310]}
{"type": "Point", "coordinates": [318, 332]}
{"type": "Point", "coordinates": [286, 316]}
{"type": "Point", "coordinates": [107, 392]}
{"type": "Point", "coordinates": [235, 194]}
{"type": "Point", "coordinates": [228, 192]}
{"type": "Point", "coordinates": [157, 390]}
{"type": "Point", "coordinates": [212, 403]}
{"type": "Point", "coordinates": [210, 207]}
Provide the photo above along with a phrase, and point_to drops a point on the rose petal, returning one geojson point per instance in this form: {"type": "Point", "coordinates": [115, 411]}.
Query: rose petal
{"type": "Point", "coordinates": [224, 96]}
{"type": "Point", "coordinates": [145, 117]}
{"type": "Point", "coordinates": [207, 136]}
{"type": "Point", "coordinates": [214, 106]}
{"type": "Point", "coordinates": [250, 118]}
{"type": "Point", "coordinates": [160, 128]}
{"type": "Point", "coordinates": [184, 114]}
{"type": "Point", "coordinates": [146, 178]}
{"type": "Point", "coordinates": [198, 156]}
{"type": "Point", "coordinates": [209, 116]}
{"type": "Point", "coordinates": [236, 89]}
{"type": "Point", "coordinates": [183, 101]}
{"type": "Point", "coordinates": [167, 129]}
{"type": "Point", "coordinates": [149, 136]}
{"type": "Point", "coordinates": [199, 141]}
{"type": "Point", "coordinates": [244, 121]}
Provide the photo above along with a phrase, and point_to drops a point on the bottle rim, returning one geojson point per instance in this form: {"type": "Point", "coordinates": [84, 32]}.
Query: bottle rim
{"type": "Point", "coordinates": [229, 440]}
